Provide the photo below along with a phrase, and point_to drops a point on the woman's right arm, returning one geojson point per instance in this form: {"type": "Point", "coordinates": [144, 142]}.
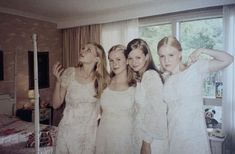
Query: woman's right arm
{"type": "Point", "coordinates": [220, 59]}
{"type": "Point", "coordinates": [59, 91]}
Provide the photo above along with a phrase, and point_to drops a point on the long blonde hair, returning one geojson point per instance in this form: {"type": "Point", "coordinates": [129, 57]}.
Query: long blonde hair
{"type": "Point", "coordinates": [101, 75]}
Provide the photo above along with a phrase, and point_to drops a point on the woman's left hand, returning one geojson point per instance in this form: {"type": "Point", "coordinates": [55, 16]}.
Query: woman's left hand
{"type": "Point", "coordinates": [194, 56]}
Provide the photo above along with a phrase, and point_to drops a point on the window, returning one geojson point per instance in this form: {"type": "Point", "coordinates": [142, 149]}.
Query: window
{"type": "Point", "coordinates": [205, 33]}
{"type": "Point", "coordinates": [153, 34]}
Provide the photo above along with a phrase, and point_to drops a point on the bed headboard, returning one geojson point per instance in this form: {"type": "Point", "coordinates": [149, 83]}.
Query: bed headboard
{"type": "Point", "coordinates": [7, 104]}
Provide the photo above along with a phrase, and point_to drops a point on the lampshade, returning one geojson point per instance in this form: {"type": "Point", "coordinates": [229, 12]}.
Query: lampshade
{"type": "Point", "coordinates": [31, 94]}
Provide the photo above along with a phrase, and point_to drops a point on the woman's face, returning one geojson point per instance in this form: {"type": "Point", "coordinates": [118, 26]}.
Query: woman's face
{"type": "Point", "coordinates": [117, 62]}
{"type": "Point", "coordinates": [137, 60]}
{"type": "Point", "coordinates": [88, 54]}
{"type": "Point", "coordinates": [169, 57]}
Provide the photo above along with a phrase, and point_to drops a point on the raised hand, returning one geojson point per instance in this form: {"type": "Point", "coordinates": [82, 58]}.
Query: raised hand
{"type": "Point", "coordinates": [57, 71]}
{"type": "Point", "coordinates": [194, 56]}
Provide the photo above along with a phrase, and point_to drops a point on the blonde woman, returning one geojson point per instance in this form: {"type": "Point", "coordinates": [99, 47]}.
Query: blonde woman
{"type": "Point", "coordinates": [114, 134]}
{"type": "Point", "coordinates": [183, 94]}
{"type": "Point", "coordinates": [80, 87]}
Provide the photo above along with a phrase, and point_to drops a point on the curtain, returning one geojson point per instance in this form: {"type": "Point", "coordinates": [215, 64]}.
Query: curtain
{"type": "Point", "coordinates": [118, 33]}
{"type": "Point", "coordinates": [228, 106]}
{"type": "Point", "coordinates": [74, 39]}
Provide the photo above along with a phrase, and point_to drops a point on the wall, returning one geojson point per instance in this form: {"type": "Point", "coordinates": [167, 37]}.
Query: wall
{"type": "Point", "coordinates": [15, 41]}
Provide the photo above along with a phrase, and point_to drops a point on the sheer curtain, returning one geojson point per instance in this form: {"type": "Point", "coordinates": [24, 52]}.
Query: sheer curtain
{"type": "Point", "coordinates": [229, 75]}
{"type": "Point", "coordinates": [118, 33]}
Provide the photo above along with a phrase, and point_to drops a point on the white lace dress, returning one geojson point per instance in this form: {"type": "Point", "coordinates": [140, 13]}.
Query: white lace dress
{"type": "Point", "coordinates": [151, 120]}
{"type": "Point", "coordinates": [183, 95]}
{"type": "Point", "coordinates": [77, 129]}
{"type": "Point", "coordinates": [115, 132]}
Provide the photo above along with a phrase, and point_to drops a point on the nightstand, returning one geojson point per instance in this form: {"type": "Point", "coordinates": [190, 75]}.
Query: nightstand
{"type": "Point", "coordinates": [45, 116]}
{"type": "Point", "coordinates": [28, 115]}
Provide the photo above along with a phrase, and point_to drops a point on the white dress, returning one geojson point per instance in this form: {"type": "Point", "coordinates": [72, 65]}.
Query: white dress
{"type": "Point", "coordinates": [115, 132]}
{"type": "Point", "coordinates": [77, 129]}
{"type": "Point", "coordinates": [186, 122]}
{"type": "Point", "coordinates": [151, 121]}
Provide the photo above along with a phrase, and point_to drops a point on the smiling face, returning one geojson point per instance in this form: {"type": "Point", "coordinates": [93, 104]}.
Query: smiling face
{"type": "Point", "coordinates": [88, 54]}
{"type": "Point", "coordinates": [137, 60]}
{"type": "Point", "coordinates": [170, 57]}
{"type": "Point", "coordinates": [117, 61]}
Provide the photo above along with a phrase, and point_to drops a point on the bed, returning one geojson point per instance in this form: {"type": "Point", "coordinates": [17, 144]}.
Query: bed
{"type": "Point", "coordinates": [14, 134]}
{"type": "Point", "coordinates": [17, 136]}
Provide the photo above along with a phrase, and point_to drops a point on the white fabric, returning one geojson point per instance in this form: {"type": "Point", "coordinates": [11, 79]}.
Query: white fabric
{"type": "Point", "coordinates": [77, 129]}
{"type": "Point", "coordinates": [118, 33]}
{"type": "Point", "coordinates": [151, 122]}
{"type": "Point", "coordinates": [114, 134]}
{"type": "Point", "coordinates": [186, 122]}
{"type": "Point", "coordinates": [228, 107]}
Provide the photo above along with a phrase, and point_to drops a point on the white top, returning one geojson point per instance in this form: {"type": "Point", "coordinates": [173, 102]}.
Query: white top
{"type": "Point", "coordinates": [79, 122]}
{"type": "Point", "coordinates": [186, 122]}
{"type": "Point", "coordinates": [151, 117]}
{"type": "Point", "coordinates": [114, 134]}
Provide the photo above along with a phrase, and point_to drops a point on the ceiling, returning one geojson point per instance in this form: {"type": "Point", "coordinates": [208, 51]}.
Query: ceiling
{"type": "Point", "coordinates": [60, 9]}
{"type": "Point", "coordinates": [68, 13]}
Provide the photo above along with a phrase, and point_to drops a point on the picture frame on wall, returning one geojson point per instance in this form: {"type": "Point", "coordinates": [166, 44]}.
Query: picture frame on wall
{"type": "Point", "coordinates": [43, 69]}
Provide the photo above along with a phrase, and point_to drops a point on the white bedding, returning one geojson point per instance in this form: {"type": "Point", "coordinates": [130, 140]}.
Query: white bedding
{"type": "Point", "coordinates": [14, 134]}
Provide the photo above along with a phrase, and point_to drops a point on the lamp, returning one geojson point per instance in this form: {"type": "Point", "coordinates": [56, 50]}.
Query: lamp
{"type": "Point", "coordinates": [31, 95]}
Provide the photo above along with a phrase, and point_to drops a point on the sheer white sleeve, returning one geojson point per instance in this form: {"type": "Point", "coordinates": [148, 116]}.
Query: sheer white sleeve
{"type": "Point", "coordinates": [155, 120]}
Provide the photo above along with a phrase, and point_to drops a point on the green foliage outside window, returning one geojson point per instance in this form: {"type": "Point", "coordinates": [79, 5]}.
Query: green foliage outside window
{"type": "Point", "coordinates": [153, 34]}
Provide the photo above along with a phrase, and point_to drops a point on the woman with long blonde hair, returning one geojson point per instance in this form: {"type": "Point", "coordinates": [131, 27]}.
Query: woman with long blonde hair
{"type": "Point", "coordinates": [80, 87]}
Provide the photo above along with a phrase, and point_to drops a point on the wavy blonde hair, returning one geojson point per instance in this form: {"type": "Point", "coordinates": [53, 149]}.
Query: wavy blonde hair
{"type": "Point", "coordinates": [100, 73]}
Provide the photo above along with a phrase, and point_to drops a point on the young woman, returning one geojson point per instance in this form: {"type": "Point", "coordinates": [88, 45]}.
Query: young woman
{"type": "Point", "coordinates": [183, 95]}
{"type": "Point", "coordinates": [151, 121]}
{"type": "Point", "coordinates": [114, 134]}
{"type": "Point", "coordinates": [80, 87]}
